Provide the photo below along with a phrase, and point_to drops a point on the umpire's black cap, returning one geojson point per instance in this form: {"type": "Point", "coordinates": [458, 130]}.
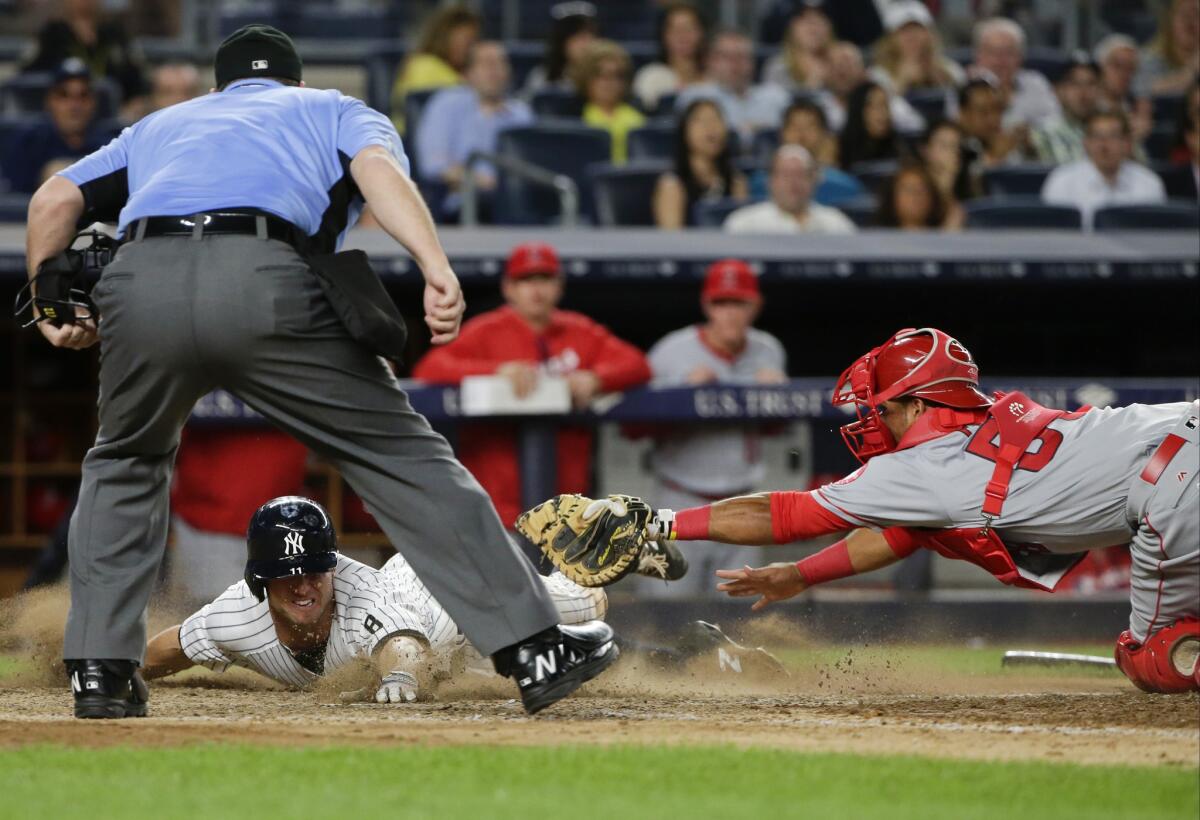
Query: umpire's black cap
{"type": "Point", "coordinates": [257, 50]}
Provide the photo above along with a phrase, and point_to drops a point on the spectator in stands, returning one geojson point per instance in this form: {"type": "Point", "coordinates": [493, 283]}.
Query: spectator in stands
{"type": "Point", "coordinates": [794, 177]}
{"type": "Point", "coordinates": [439, 57]}
{"type": "Point", "coordinates": [103, 46]}
{"type": "Point", "coordinates": [802, 64]}
{"type": "Point", "coordinates": [1118, 58]}
{"type": "Point", "coordinates": [173, 83]}
{"type": "Point", "coordinates": [869, 134]}
{"type": "Point", "coordinates": [602, 79]}
{"type": "Point", "coordinates": [572, 32]}
{"type": "Point", "coordinates": [912, 201]}
{"type": "Point", "coordinates": [1171, 61]}
{"type": "Point", "coordinates": [1191, 135]}
{"type": "Point", "coordinates": [1060, 139]}
{"type": "Point", "coordinates": [730, 82]}
{"type": "Point", "coordinates": [682, 38]}
{"type": "Point", "coordinates": [467, 118]}
{"type": "Point", "coordinates": [909, 57]}
{"type": "Point", "coordinates": [703, 167]}
{"type": "Point", "coordinates": [944, 155]}
{"type": "Point", "coordinates": [1026, 95]}
{"type": "Point", "coordinates": [1188, 113]}
{"type": "Point", "coordinates": [1107, 176]}
{"type": "Point", "coordinates": [526, 339]}
{"type": "Point", "coordinates": [981, 115]}
{"type": "Point", "coordinates": [66, 131]}
{"type": "Point", "coordinates": [846, 73]}
{"type": "Point", "coordinates": [805, 125]}
{"type": "Point", "coordinates": [696, 464]}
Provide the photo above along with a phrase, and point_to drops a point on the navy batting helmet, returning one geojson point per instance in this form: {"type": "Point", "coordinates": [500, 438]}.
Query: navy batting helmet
{"type": "Point", "coordinates": [289, 535]}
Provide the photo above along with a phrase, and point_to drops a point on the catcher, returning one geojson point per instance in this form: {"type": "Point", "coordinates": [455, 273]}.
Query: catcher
{"type": "Point", "coordinates": [303, 610]}
{"type": "Point", "coordinates": [1021, 490]}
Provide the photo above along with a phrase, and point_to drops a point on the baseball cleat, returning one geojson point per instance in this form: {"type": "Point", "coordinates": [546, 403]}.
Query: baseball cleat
{"type": "Point", "coordinates": [662, 559]}
{"type": "Point", "coordinates": [709, 643]}
{"type": "Point", "coordinates": [108, 689]}
{"type": "Point", "coordinates": [553, 664]}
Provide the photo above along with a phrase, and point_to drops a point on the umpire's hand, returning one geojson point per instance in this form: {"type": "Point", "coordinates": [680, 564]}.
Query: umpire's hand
{"type": "Point", "coordinates": [76, 337]}
{"type": "Point", "coordinates": [444, 305]}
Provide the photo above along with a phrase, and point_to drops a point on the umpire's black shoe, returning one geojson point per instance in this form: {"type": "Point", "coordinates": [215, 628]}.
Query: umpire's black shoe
{"type": "Point", "coordinates": [552, 664]}
{"type": "Point", "coordinates": [108, 689]}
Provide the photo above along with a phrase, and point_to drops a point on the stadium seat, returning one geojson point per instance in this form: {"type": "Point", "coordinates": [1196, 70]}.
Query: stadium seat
{"type": "Point", "coordinates": [875, 173]}
{"type": "Point", "coordinates": [712, 213]}
{"type": "Point", "coordinates": [1177, 215]}
{"type": "Point", "coordinates": [14, 207]}
{"type": "Point", "coordinates": [1179, 180]}
{"type": "Point", "coordinates": [1159, 143]}
{"type": "Point", "coordinates": [414, 104]}
{"type": "Point", "coordinates": [1167, 108]}
{"type": "Point", "coordinates": [666, 106]}
{"type": "Point", "coordinates": [930, 103]}
{"type": "Point", "coordinates": [624, 195]}
{"type": "Point", "coordinates": [765, 145]}
{"type": "Point", "coordinates": [26, 94]}
{"type": "Point", "coordinates": [561, 147]}
{"type": "Point", "coordinates": [381, 65]}
{"type": "Point", "coordinates": [1049, 61]}
{"type": "Point", "coordinates": [653, 141]}
{"type": "Point", "coordinates": [1028, 213]}
{"type": "Point", "coordinates": [1016, 180]}
{"type": "Point", "coordinates": [861, 210]}
{"type": "Point", "coordinates": [556, 103]}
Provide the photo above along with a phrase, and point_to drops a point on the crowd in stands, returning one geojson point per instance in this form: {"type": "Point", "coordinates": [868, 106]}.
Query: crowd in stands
{"type": "Point", "coordinates": [903, 132]}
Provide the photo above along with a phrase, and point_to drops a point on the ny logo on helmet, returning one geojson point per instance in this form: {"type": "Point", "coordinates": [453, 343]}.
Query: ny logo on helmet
{"type": "Point", "coordinates": [293, 544]}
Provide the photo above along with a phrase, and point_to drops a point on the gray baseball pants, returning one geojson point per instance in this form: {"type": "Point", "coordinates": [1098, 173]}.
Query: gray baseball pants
{"type": "Point", "coordinates": [182, 316]}
{"type": "Point", "coordinates": [1165, 577]}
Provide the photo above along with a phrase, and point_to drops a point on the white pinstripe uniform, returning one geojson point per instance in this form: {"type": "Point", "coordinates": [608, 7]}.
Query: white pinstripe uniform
{"type": "Point", "coordinates": [370, 606]}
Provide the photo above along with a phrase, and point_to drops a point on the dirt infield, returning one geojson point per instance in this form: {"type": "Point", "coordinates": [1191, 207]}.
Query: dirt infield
{"type": "Point", "coordinates": [1084, 721]}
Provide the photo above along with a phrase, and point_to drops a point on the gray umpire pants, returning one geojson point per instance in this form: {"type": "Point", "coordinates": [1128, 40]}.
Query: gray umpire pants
{"type": "Point", "coordinates": [182, 316]}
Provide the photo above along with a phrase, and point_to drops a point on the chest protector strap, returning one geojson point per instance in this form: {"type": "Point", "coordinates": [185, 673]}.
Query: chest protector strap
{"type": "Point", "coordinates": [1019, 421]}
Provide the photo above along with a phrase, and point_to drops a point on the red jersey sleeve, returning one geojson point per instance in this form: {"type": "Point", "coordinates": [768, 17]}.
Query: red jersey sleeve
{"type": "Point", "coordinates": [619, 364]}
{"type": "Point", "coordinates": [796, 516]}
{"type": "Point", "coordinates": [465, 356]}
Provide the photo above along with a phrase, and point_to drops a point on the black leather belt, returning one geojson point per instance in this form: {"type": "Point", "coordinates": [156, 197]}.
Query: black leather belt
{"type": "Point", "coordinates": [264, 226]}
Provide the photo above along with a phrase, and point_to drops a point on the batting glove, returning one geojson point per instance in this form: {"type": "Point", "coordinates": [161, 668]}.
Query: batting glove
{"type": "Point", "coordinates": [398, 687]}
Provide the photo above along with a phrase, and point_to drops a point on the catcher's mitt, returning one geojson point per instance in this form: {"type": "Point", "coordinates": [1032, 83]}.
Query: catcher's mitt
{"type": "Point", "coordinates": [593, 542]}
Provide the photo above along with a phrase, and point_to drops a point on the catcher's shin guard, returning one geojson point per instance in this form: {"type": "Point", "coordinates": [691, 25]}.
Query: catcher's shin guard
{"type": "Point", "coordinates": [107, 689]}
{"type": "Point", "coordinates": [552, 664]}
{"type": "Point", "coordinates": [1169, 660]}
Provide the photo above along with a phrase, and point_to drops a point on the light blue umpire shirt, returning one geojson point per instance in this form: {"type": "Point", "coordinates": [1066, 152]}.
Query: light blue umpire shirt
{"type": "Point", "coordinates": [258, 144]}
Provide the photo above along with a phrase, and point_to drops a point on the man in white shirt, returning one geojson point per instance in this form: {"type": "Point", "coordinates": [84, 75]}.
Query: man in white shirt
{"type": "Point", "coordinates": [999, 52]}
{"type": "Point", "coordinates": [730, 82]}
{"type": "Point", "coordinates": [794, 177]}
{"type": "Point", "coordinates": [1106, 177]}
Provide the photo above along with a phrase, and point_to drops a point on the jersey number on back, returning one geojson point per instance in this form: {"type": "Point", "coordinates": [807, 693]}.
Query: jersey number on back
{"type": "Point", "coordinates": [982, 443]}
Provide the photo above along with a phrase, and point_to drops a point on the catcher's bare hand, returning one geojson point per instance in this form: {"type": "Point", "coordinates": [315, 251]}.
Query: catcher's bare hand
{"type": "Point", "coordinates": [78, 336]}
{"type": "Point", "coordinates": [776, 582]}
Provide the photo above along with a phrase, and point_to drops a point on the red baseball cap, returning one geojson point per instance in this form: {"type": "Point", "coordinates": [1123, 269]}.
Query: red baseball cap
{"type": "Point", "coordinates": [730, 279]}
{"type": "Point", "coordinates": [531, 259]}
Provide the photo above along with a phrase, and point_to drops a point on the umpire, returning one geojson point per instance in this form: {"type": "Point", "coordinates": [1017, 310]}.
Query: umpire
{"type": "Point", "coordinates": [225, 204]}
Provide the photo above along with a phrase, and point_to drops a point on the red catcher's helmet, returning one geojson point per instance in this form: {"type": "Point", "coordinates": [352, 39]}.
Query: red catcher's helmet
{"type": "Point", "coordinates": [925, 363]}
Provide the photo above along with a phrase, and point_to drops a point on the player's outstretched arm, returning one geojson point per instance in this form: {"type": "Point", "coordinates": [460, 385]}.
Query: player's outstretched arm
{"type": "Point", "coordinates": [403, 666]}
{"type": "Point", "coordinates": [861, 551]}
{"type": "Point", "coordinates": [753, 520]}
{"type": "Point", "coordinates": [164, 655]}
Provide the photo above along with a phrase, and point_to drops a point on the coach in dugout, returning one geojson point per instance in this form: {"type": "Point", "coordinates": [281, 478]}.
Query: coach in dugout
{"type": "Point", "coordinates": [525, 339]}
{"type": "Point", "coordinates": [695, 465]}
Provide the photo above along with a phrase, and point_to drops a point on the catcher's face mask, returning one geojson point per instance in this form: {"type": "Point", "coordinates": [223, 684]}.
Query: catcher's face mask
{"type": "Point", "coordinates": [55, 294]}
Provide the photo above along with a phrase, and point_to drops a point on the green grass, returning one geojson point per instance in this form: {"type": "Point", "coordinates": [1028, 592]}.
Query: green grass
{"type": "Point", "coordinates": [594, 782]}
{"type": "Point", "coordinates": [8, 665]}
